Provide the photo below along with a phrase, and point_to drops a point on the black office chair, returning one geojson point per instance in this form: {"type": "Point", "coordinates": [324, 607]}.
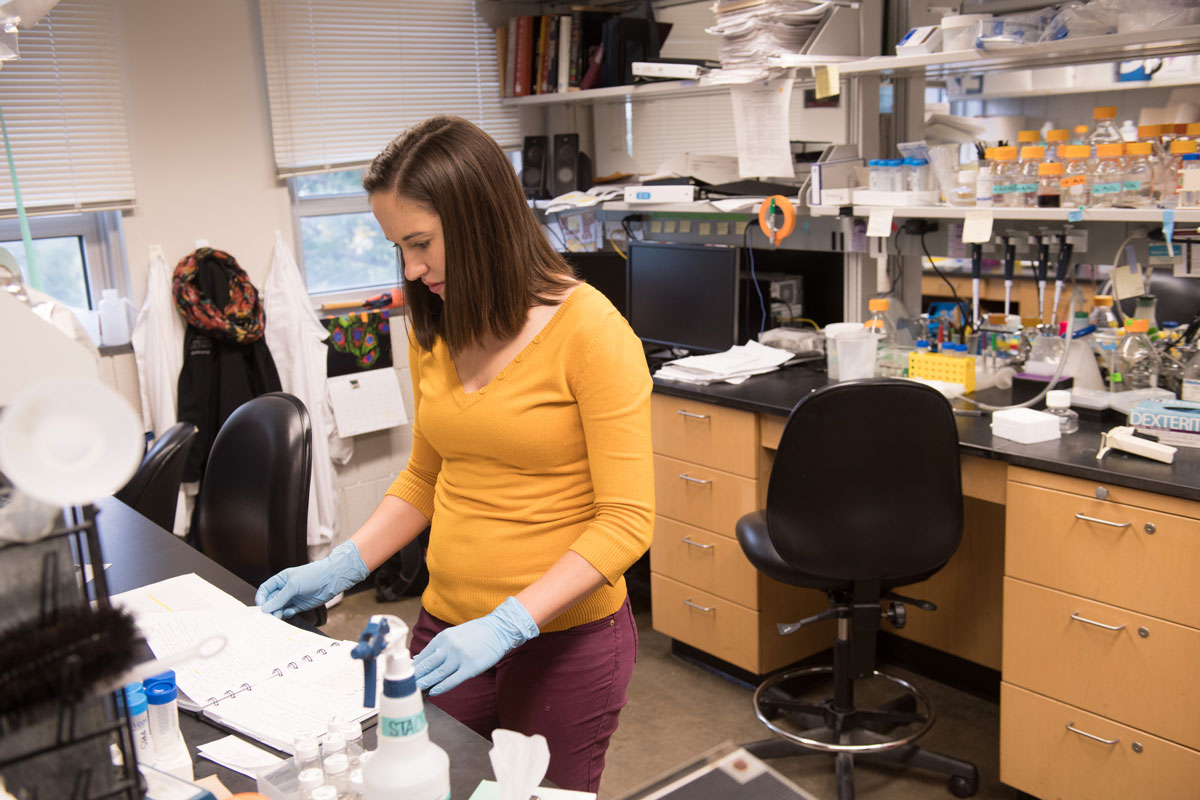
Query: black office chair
{"type": "Point", "coordinates": [153, 491]}
{"type": "Point", "coordinates": [865, 495]}
{"type": "Point", "coordinates": [252, 512]}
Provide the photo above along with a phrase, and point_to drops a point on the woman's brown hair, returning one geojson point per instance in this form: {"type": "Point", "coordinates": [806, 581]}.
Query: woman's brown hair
{"type": "Point", "coordinates": [499, 263]}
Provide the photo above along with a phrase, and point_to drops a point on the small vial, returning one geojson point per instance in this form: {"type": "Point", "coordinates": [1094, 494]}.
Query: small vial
{"type": "Point", "coordinates": [357, 787]}
{"type": "Point", "coordinates": [325, 792]}
{"type": "Point", "coordinates": [308, 752]}
{"type": "Point", "coordinates": [352, 733]}
{"type": "Point", "coordinates": [895, 171]}
{"type": "Point", "coordinates": [335, 743]}
{"type": "Point", "coordinates": [1108, 179]}
{"type": "Point", "coordinates": [1027, 181]}
{"type": "Point", "coordinates": [1138, 188]}
{"type": "Point", "coordinates": [984, 178]}
{"type": "Point", "coordinates": [310, 779]}
{"type": "Point", "coordinates": [337, 772]}
{"type": "Point", "coordinates": [875, 175]}
{"type": "Point", "coordinates": [139, 722]}
{"type": "Point", "coordinates": [163, 700]}
{"type": "Point", "coordinates": [917, 175]}
{"type": "Point", "coordinates": [1188, 198]}
{"type": "Point", "coordinates": [1058, 403]}
{"type": "Point", "coordinates": [1049, 195]}
{"type": "Point", "coordinates": [1074, 183]}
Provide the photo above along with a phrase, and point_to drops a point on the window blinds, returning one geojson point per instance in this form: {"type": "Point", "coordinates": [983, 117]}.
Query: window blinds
{"type": "Point", "coordinates": [346, 77]}
{"type": "Point", "coordinates": [65, 115]}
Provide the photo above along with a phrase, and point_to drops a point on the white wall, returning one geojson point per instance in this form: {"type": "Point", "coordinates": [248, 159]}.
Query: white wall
{"type": "Point", "coordinates": [200, 138]}
{"type": "Point", "coordinates": [196, 104]}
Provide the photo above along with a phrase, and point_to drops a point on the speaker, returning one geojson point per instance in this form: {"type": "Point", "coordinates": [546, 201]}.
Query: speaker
{"type": "Point", "coordinates": [535, 162]}
{"type": "Point", "coordinates": [572, 169]}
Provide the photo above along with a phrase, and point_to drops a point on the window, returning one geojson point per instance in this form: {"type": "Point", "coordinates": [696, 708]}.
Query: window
{"type": "Point", "coordinates": [343, 80]}
{"type": "Point", "coordinates": [342, 248]}
{"type": "Point", "coordinates": [65, 119]}
{"type": "Point", "coordinates": [76, 255]}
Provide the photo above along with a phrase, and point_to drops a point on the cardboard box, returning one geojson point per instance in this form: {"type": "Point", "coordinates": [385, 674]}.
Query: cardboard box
{"type": "Point", "coordinates": [1174, 422]}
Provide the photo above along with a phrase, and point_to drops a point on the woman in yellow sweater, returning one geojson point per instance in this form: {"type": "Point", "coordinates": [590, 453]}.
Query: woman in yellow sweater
{"type": "Point", "coordinates": [530, 460]}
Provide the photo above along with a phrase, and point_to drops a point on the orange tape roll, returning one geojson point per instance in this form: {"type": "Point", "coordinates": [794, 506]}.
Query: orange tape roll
{"type": "Point", "coordinates": [766, 219]}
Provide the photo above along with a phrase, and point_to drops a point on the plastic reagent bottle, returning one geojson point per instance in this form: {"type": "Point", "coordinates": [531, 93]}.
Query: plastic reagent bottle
{"type": "Point", "coordinates": [1191, 379]}
{"type": "Point", "coordinates": [1108, 179]}
{"type": "Point", "coordinates": [1080, 134]}
{"type": "Point", "coordinates": [1102, 312]}
{"type": "Point", "coordinates": [1058, 403]}
{"type": "Point", "coordinates": [1005, 177]}
{"type": "Point", "coordinates": [1172, 172]}
{"type": "Point", "coordinates": [1136, 363]}
{"type": "Point", "coordinates": [1027, 138]}
{"type": "Point", "coordinates": [1049, 195]}
{"type": "Point", "coordinates": [162, 698]}
{"type": "Point", "coordinates": [1027, 183]}
{"type": "Point", "coordinates": [1188, 198]}
{"type": "Point", "coordinates": [1104, 130]}
{"type": "Point", "coordinates": [1074, 183]}
{"type": "Point", "coordinates": [1138, 187]}
{"type": "Point", "coordinates": [139, 722]}
{"type": "Point", "coordinates": [984, 178]}
{"type": "Point", "coordinates": [406, 763]}
{"type": "Point", "coordinates": [1056, 139]}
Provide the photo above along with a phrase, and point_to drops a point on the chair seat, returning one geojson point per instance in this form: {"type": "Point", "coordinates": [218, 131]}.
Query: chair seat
{"type": "Point", "coordinates": [756, 544]}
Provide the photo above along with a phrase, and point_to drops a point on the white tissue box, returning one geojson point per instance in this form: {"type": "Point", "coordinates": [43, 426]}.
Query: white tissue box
{"type": "Point", "coordinates": [1025, 425]}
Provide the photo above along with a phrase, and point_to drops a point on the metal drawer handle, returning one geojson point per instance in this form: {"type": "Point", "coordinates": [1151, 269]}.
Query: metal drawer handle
{"type": "Point", "coordinates": [690, 415]}
{"type": "Point", "coordinates": [1075, 616]}
{"type": "Point", "coordinates": [1086, 518]}
{"type": "Point", "coordinates": [705, 609]}
{"type": "Point", "coordinates": [687, 540]}
{"type": "Point", "coordinates": [1071, 727]}
{"type": "Point", "coordinates": [695, 480]}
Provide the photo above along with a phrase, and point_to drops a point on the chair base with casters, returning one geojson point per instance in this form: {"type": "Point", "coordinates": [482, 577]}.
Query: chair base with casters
{"type": "Point", "coordinates": [841, 518]}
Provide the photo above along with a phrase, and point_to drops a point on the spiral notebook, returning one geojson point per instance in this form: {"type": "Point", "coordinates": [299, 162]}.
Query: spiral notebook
{"type": "Point", "coordinates": [272, 679]}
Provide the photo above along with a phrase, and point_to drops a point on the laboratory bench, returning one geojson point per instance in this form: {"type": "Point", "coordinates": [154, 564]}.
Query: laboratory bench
{"type": "Point", "coordinates": [1073, 583]}
{"type": "Point", "coordinates": [141, 553]}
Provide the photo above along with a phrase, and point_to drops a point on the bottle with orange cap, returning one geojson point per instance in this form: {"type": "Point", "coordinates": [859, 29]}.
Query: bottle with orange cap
{"type": "Point", "coordinates": [1074, 182]}
{"type": "Point", "coordinates": [1173, 172]}
{"type": "Point", "coordinates": [1108, 178]}
{"type": "Point", "coordinates": [1006, 174]}
{"type": "Point", "coordinates": [1138, 187]}
{"type": "Point", "coordinates": [1079, 134]}
{"type": "Point", "coordinates": [1027, 138]}
{"type": "Point", "coordinates": [1049, 190]}
{"type": "Point", "coordinates": [1056, 139]}
{"type": "Point", "coordinates": [887, 361]}
{"type": "Point", "coordinates": [1104, 127]}
{"type": "Point", "coordinates": [1136, 364]}
{"type": "Point", "coordinates": [1027, 181]}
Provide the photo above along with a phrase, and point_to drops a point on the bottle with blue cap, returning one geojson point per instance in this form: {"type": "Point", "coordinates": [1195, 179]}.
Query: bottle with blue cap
{"type": "Point", "coordinates": [170, 752]}
{"type": "Point", "coordinates": [406, 763]}
{"type": "Point", "coordinates": [139, 722]}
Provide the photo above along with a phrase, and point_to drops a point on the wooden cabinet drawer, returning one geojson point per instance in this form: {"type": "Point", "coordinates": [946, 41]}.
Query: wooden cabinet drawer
{"type": "Point", "coordinates": [705, 621]}
{"type": "Point", "coordinates": [705, 560]}
{"type": "Point", "coordinates": [1141, 675]}
{"type": "Point", "coordinates": [1128, 556]}
{"type": "Point", "coordinates": [715, 436]}
{"type": "Point", "coordinates": [1106, 491]}
{"type": "Point", "coordinates": [701, 496]}
{"type": "Point", "coordinates": [1039, 755]}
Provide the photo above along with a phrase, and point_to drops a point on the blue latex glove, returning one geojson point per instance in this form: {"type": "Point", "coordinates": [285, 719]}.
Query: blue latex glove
{"type": "Point", "coordinates": [310, 585]}
{"type": "Point", "coordinates": [464, 651]}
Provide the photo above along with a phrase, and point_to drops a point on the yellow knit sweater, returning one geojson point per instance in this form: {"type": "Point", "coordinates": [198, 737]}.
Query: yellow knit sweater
{"type": "Point", "coordinates": [552, 455]}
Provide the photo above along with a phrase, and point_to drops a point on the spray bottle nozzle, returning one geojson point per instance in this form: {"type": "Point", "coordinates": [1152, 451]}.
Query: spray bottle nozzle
{"type": "Point", "coordinates": [382, 633]}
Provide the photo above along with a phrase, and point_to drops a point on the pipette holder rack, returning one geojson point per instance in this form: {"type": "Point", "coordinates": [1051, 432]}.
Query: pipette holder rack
{"type": "Point", "coordinates": [64, 750]}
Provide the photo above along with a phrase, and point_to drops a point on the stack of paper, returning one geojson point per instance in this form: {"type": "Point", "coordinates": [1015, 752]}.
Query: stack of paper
{"type": "Point", "coordinates": [751, 33]}
{"type": "Point", "coordinates": [733, 366]}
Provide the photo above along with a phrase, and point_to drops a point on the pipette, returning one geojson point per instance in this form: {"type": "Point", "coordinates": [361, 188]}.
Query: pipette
{"type": "Point", "coordinates": [1010, 262]}
{"type": "Point", "coordinates": [1042, 266]}
{"type": "Point", "coordinates": [1065, 251]}
{"type": "Point", "coordinates": [976, 274]}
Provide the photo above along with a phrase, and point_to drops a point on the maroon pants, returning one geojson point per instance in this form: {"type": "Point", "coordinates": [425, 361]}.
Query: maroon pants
{"type": "Point", "coordinates": [569, 686]}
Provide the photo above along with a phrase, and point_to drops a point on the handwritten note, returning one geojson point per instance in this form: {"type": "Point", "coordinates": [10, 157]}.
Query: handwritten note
{"type": "Point", "coordinates": [977, 227]}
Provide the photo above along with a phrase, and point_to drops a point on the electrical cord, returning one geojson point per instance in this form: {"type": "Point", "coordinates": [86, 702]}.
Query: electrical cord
{"type": "Point", "coordinates": [762, 304]}
{"type": "Point", "coordinates": [613, 242]}
{"type": "Point", "coordinates": [957, 300]}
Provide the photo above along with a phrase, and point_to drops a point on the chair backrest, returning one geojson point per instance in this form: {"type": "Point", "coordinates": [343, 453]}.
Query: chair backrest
{"type": "Point", "coordinates": [866, 483]}
{"type": "Point", "coordinates": [153, 491]}
{"type": "Point", "coordinates": [252, 512]}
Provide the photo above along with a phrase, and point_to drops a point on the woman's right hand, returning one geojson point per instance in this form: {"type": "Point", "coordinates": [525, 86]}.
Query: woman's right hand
{"type": "Point", "coordinates": [310, 585]}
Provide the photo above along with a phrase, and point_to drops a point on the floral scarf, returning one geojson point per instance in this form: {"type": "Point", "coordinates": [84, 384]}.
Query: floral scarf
{"type": "Point", "coordinates": [200, 276]}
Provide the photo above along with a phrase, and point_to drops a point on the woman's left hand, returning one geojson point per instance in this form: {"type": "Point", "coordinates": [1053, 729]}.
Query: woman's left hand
{"type": "Point", "coordinates": [464, 651]}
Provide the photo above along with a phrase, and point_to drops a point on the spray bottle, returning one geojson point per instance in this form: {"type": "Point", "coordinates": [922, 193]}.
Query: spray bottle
{"type": "Point", "coordinates": [406, 763]}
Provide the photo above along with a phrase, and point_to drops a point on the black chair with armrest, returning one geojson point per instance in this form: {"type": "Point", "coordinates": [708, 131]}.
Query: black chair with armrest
{"type": "Point", "coordinates": [252, 512]}
{"type": "Point", "coordinates": [153, 491]}
{"type": "Point", "coordinates": [865, 496]}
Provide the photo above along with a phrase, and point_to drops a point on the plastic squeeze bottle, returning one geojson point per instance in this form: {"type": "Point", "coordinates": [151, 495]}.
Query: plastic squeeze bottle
{"type": "Point", "coordinates": [406, 763]}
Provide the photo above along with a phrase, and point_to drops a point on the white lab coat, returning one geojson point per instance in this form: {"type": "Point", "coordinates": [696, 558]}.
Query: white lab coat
{"type": "Point", "coordinates": [296, 339]}
{"type": "Point", "coordinates": [158, 349]}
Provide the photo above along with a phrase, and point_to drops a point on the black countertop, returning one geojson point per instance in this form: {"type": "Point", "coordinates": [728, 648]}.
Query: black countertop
{"type": "Point", "coordinates": [1074, 454]}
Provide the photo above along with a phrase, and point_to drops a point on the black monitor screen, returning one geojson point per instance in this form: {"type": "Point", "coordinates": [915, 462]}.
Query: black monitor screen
{"type": "Point", "coordinates": [684, 295]}
{"type": "Point", "coordinates": [608, 272]}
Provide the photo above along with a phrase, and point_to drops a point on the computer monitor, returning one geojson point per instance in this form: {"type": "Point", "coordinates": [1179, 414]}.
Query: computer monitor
{"type": "Point", "coordinates": [684, 295]}
{"type": "Point", "coordinates": [608, 272]}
